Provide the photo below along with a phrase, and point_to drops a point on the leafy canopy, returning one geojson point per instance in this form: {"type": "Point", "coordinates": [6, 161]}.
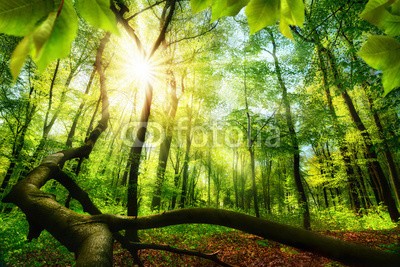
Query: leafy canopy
{"type": "Point", "coordinates": [383, 52]}
{"type": "Point", "coordinates": [49, 27]}
{"type": "Point", "coordinates": [260, 13]}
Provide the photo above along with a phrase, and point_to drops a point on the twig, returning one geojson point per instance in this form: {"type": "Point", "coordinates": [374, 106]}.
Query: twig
{"type": "Point", "coordinates": [212, 256]}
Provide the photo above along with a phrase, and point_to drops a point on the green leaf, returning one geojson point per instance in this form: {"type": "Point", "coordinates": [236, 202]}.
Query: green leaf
{"type": "Point", "coordinates": [200, 5]}
{"type": "Point", "coordinates": [19, 17]}
{"type": "Point", "coordinates": [42, 33]}
{"type": "Point", "coordinates": [292, 11]}
{"type": "Point", "coordinates": [227, 8]}
{"type": "Point", "coordinates": [383, 53]}
{"type": "Point", "coordinates": [51, 39]}
{"type": "Point", "coordinates": [395, 8]}
{"type": "Point", "coordinates": [262, 13]}
{"type": "Point", "coordinates": [284, 27]}
{"type": "Point", "coordinates": [384, 14]}
{"type": "Point", "coordinates": [98, 14]}
{"type": "Point", "coordinates": [376, 10]}
{"type": "Point", "coordinates": [59, 42]}
{"type": "Point", "coordinates": [19, 55]}
{"type": "Point", "coordinates": [391, 24]}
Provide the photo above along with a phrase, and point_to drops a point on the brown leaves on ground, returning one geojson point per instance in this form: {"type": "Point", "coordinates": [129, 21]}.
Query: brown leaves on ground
{"type": "Point", "coordinates": [233, 247]}
{"type": "Point", "coordinates": [241, 249]}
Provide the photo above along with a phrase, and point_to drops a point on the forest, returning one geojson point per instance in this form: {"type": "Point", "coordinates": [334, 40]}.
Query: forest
{"type": "Point", "coordinates": [199, 133]}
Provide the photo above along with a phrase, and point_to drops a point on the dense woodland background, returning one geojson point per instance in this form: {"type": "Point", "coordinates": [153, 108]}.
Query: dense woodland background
{"type": "Point", "coordinates": [295, 131]}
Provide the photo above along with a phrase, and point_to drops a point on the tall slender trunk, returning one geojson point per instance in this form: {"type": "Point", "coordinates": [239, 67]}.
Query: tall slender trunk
{"type": "Point", "coordinates": [235, 177]}
{"type": "Point", "coordinates": [165, 145]}
{"type": "Point", "coordinates": [209, 179]}
{"type": "Point", "coordinates": [242, 181]}
{"type": "Point", "coordinates": [344, 151]}
{"type": "Point", "coordinates": [176, 182]}
{"type": "Point", "coordinates": [19, 140]}
{"type": "Point", "coordinates": [386, 150]}
{"type": "Point", "coordinates": [250, 148]}
{"type": "Point", "coordinates": [185, 173]}
{"type": "Point", "coordinates": [135, 159]}
{"type": "Point", "coordinates": [302, 198]}
{"type": "Point", "coordinates": [373, 162]}
{"type": "Point", "coordinates": [78, 114]}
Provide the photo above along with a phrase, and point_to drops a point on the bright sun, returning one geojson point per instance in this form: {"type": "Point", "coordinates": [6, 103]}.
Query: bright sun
{"type": "Point", "coordinates": [132, 66]}
{"type": "Point", "coordinates": [130, 72]}
{"type": "Point", "coordinates": [142, 69]}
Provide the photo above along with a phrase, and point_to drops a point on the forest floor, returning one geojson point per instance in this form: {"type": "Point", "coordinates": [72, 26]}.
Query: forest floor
{"type": "Point", "coordinates": [241, 249]}
{"type": "Point", "coordinates": [233, 247]}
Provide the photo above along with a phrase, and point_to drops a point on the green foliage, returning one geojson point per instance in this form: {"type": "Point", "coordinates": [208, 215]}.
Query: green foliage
{"type": "Point", "coordinates": [384, 14]}
{"type": "Point", "coordinates": [50, 39]}
{"type": "Point", "coordinates": [200, 5]}
{"type": "Point", "coordinates": [98, 14]}
{"type": "Point", "coordinates": [263, 243]}
{"type": "Point", "coordinates": [49, 27]}
{"type": "Point", "coordinates": [227, 8]}
{"type": "Point", "coordinates": [381, 52]}
{"type": "Point", "coordinates": [260, 13]}
{"type": "Point", "coordinates": [20, 17]}
{"type": "Point", "coordinates": [189, 235]}
{"type": "Point", "coordinates": [19, 252]}
{"type": "Point", "coordinates": [393, 247]}
{"type": "Point", "coordinates": [342, 218]}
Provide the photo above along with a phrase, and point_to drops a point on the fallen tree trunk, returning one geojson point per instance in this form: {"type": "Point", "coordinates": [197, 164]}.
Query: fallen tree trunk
{"type": "Point", "coordinates": [90, 236]}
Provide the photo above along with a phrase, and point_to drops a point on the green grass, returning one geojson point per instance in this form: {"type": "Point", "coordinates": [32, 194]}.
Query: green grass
{"type": "Point", "coordinates": [344, 219]}
{"type": "Point", "coordinates": [15, 250]}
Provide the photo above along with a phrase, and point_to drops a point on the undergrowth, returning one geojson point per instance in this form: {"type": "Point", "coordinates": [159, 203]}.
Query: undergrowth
{"type": "Point", "coordinates": [15, 250]}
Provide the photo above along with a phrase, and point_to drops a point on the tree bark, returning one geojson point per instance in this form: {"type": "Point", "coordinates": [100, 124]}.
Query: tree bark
{"type": "Point", "coordinates": [185, 173]}
{"type": "Point", "coordinates": [302, 198]}
{"type": "Point", "coordinates": [373, 163]}
{"type": "Point", "coordinates": [135, 159]}
{"type": "Point", "coordinates": [344, 151]}
{"type": "Point", "coordinates": [19, 140]}
{"type": "Point", "coordinates": [78, 114]}
{"type": "Point", "coordinates": [386, 150]}
{"type": "Point", "coordinates": [165, 144]}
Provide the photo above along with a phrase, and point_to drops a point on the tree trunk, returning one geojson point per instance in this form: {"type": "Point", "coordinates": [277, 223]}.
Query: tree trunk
{"type": "Point", "coordinates": [253, 183]}
{"type": "Point", "coordinates": [185, 174]}
{"type": "Point", "coordinates": [351, 179]}
{"type": "Point", "coordinates": [235, 177]}
{"type": "Point", "coordinates": [372, 156]}
{"type": "Point", "coordinates": [176, 185]}
{"type": "Point", "coordinates": [135, 160]}
{"type": "Point", "coordinates": [209, 179]}
{"type": "Point", "coordinates": [387, 152]}
{"type": "Point", "coordinates": [19, 141]}
{"type": "Point", "coordinates": [302, 198]}
{"type": "Point", "coordinates": [165, 145]}
{"type": "Point", "coordinates": [78, 114]}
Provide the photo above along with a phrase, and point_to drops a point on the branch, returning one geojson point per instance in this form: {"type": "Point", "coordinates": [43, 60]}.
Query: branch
{"type": "Point", "coordinates": [213, 26]}
{"type": "Point", "coordinates": [144, 9]}
{"type": "Point", "coordinates": [161, 36]}
{"type": "Point", "coordinates": [212, 256]}
{"type": "Point", "coordinates": [344, 252]}
{"type": "Point", "coordinates": [128, 28]}
{"type": "Point", "coordinates": [91, 242]}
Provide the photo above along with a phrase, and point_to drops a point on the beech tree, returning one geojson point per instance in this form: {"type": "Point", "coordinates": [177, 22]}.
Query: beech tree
{"type": "Point", "coordinates": [49, 27]}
